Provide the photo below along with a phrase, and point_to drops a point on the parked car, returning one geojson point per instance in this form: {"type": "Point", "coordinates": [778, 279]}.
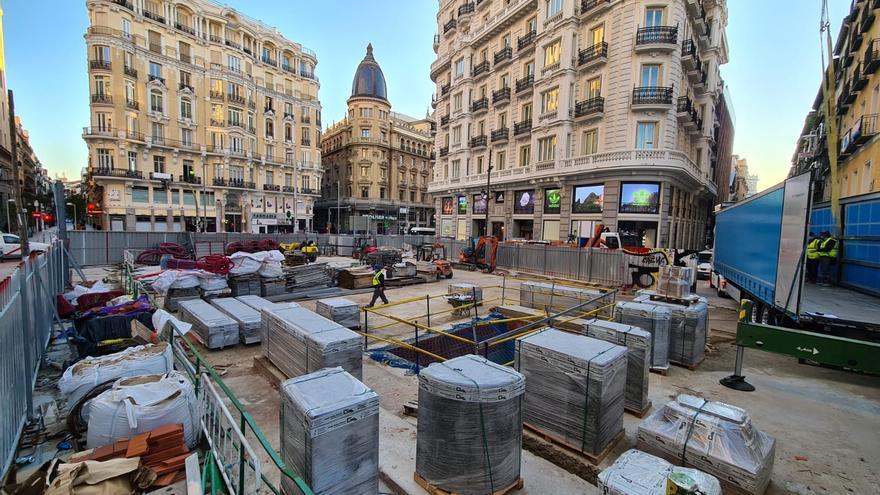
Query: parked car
{"type": "Point", "coordinates": [10, 246]}
{"type": "Point", "coordinates": [724, 289]}
{"type": "Point", "coordinates": [704, 264]}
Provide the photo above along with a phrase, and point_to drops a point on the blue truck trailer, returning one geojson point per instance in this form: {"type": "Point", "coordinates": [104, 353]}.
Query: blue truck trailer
{"type": "Point", "coordinates": [760, 247]}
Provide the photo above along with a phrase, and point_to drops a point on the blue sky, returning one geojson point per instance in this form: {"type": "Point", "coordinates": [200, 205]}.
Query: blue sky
{"type": "Point", "coordinates": [773, 72]}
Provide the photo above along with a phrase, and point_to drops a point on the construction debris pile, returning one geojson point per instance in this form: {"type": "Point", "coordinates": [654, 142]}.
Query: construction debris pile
{"type": "Point", "coordinates": [574, 387]}
{"type": "Point", "coordinates": [330, 432]}
{"type": "Point", "coordinates": [714, 437]}
{"type": "Point", "coordinates": [355, 277]}
{"type": "Point", "coordinates": [307, 276]}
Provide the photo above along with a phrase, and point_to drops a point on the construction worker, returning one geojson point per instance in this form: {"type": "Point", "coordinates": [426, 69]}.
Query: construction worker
{"type": "Point", "coordinates": [812, 258]}
{"type": "Point", "coordinates": [379, 285]}
{"type": "Point", "coordinates": [827, 258]}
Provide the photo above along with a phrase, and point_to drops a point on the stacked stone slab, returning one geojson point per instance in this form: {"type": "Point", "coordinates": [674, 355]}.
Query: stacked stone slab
{"type": "Point", "coordinates": [653, 319]}
{"type": "Point", "coordinates": [574, 387]}
{"type": "Point", "coordinates": [299, 341]}
{"type": "Point", "coordinates": [330, 433]}
{"type": "Point", "coordinates": [212, 327]}
{"type": "Point", "coordinates": [687, 330]}
{"type": "Point", "coordinates": [247, 317]}
{"type": "Point", "coordinates": [550, 297]}
{"type": "Point", "coordinates": [341, 310]}
{"type": "Point", "coordinates": [470, 425]}
{"type": "Point", "coordinates": [638, 357]}
{"type": "Point", "coordinates": [639, 473]}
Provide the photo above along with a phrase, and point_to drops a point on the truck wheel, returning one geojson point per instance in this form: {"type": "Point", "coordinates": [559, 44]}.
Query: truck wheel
{"type": "Point", "coordinates": [449, 276]}
{"type": "Point", "coordinates": [721, 294]}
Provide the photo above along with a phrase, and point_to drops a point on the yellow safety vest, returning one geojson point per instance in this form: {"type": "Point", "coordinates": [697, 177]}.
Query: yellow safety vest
{"type": "Point", "coordinates": [829, 254]}
{"type": "Point", "coordinates": [376, 278]}
{"type": "Point", "coordinates": [813, 249]}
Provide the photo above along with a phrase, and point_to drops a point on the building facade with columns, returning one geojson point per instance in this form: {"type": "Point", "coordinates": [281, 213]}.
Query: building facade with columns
{"type": "Point", "coordinates": [377, 163]}
{"type": "Point", "coordinates": [201, 118]}
{"type": "Point", "coordinates": [558, 115]}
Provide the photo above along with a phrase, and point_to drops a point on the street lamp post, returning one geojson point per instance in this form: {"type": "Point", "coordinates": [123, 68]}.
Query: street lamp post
{"type": "Point", "coordinates": [9, 202]}
{"type": "Point", "coordinates": [295, 197]}
{"type": "Point", "coordinates": [74, 214]}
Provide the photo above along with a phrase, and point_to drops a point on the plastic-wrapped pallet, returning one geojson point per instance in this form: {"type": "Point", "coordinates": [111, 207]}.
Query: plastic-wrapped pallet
{"type": "Point", "coordinates": [693, 298]}
{"type": "Point", "coordinates": [90, 372]}
{"type": "Point", "coordinates": [638, 346]}
{"type": "Point", "coordinates": [299, 341]}
{"type": "Point", "coordinates": [342, 311]}
{"type": "Point", "coordinates": [653, 319]}
{"type": "Point", "coordinates": [247, 317]}
{"type": "Point", "coordinates": [639, 473]}
{"type": "Point", "coordinates": [143, 403]}
{"type": "Point", "coordinates": [330, 433]}
{"type": "Point", "coordinates": [713, 437]}
{"type": "Point", "coordinates": [466, 289]}
{"type": "Point", "coordinates": [212, 327]}
{"type": "Point", "coordinates": [687, 330]}
{"type": "Point", "coordinates": [675, 281]}
{"type": "Point", "coordinates": [574, 387]}
{"type": "Point", "coordinates": [258, 303]}
{"type": "Point", "coordinates": [470, 425]}
{"type": "Point", "coordinates": [542, 295]}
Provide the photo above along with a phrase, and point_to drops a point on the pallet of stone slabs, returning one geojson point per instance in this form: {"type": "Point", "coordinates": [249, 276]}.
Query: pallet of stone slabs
{"type": "Point", "coordinates": [727, 488]}
{"type": "Point", "coordinates": [272, 286]}
{"type": "Point", "coordinates": [174, 297]}
{"type": "Point", "coordinates": [436, 490]}
{"type": "Point", "coordinates": [247, 317]}
{"type": "Point", "coordinates": [210, 325]}
{"type": "Point", "coordinates": [691, 367]}
{"type": "Point", "coordinates": [569, 448]}
{"type": "Point", "coordinates": [403, 281]}
{"type": "Point", "coordinates": [635, 412]}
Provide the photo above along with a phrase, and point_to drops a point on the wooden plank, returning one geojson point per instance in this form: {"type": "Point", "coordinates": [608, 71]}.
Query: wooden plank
{"type": "Point", "coordinates": [636, 412]}
{"type": "Point", "coordinates": [573, 449]}
{"type": "Point", "coordinates": [435, 490]}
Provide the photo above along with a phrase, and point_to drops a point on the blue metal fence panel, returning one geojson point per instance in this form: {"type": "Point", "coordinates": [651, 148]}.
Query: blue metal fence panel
{"type": "Point", "coordinates": [860, 254]}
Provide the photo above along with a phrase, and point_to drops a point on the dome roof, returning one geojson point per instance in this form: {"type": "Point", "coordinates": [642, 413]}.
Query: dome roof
{"type": "Point", "coordinates": [368, 79]}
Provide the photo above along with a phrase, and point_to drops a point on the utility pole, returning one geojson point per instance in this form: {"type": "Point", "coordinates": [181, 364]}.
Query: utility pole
{"type": "Point", "coordinates": [295, 197]}
{"type": "Point", "coordinates": [19, 205]}
{"type": "Point", "coordinates": [338, 202]}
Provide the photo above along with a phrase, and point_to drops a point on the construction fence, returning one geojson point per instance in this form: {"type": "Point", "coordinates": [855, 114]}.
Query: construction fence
{"type": "Point", "coordinates": [27, 313]}
{"type": "Point", "coordinates": [606, 267]}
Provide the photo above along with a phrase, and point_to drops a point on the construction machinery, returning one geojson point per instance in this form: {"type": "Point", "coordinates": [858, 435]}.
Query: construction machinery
{"type": "Point", "coordinates": [480, 254]}
{"type": "Point", "coordinates": [308, 248]}
{"type": "Point", "coordinates": [436, 255]}
{"type": "Point", "coordinates": [363, 246]}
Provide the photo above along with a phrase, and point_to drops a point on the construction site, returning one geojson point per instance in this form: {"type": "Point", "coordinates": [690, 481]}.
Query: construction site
{"type": "Point", "coordinates": [257, 364]}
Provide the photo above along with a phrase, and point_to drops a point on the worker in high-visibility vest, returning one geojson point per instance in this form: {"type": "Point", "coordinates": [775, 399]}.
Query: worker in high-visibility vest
{"type": "Point", "coordinates": [812, 258]}
{"type": "Point", "coordinates": [827, 258]}
{"type": "Point", "coordinates": [379, 285]}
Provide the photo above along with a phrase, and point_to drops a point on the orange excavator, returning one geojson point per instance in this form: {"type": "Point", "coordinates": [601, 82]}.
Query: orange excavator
{"type": "Point", "coordinates": [480, 255]}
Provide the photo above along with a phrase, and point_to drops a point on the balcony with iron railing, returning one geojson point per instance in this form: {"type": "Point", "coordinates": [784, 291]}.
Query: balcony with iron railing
{"type": "Point", "coordinates": [185, 28]}
{"type": "Point", "coordinates": [444, 89]}
{"type": "Point", "coordinates": [185, 58]}
{"type": "Point", "coordinates": [154, 77]}
{"type": "Point", "coordinates": [102, 99]}
{"type": "Point", "coordinates": [592, 7]}
{"type": "Point", "coordinates": [478, 141]}
{"type": "Point", "coordinates": [123, 3]}
{"type": "Point", "coordinates": [523, 127]}
{"type": "Point", "coordinates": [525, 83]}
{"type": "Point", "coordinates": [154, 16]}
{"type": "Point", "coordinates": [861, 132]}
{"type": "Point", "coordinates": [590, 108]}
{"type": "Point", "coordinates": [132, 104]}
{"type": "Point", "coordinates": [305, 119]}
{"type": "Point", "coordinates": [501, 96]}
{"type": "Point", "coordinates": [99, 64]}
{"type": "Point", "coordinates": [449, 26]}
{"type": "Point", "coordinates": [217, 95]}
{"type": "Point", "coordinates": [268, 60]}
{"type": "Point", "coordinates": [444, 120]}
{"type": "Point", "coordinates": [444, 151]}
{"type": "Point", "coordinates": [232, 44]}
{"type": "Point", "coordinates": [480, 68]}
{"type": "Point", "coordinates": [271, 187]}
{"type": "Point", "coordinates": [871, 60]}
{"type": "Point", "coordinates": [239, 183]}
{"type": "Point", "coordinates": [130, 71]}
{"type": "Point", "coordinates": [592, 56]}
{"type": "Point", "coordinates": [306, 142]}
{"type": "Point", "coordinates": [657, 37]}
{"type": "Point", "coordinates": [234, 98]}
{"type": "Point", "coordinates": [116, 172]}
{"type": "Point", "coordinates": [499, 135]}
{"type": "Point", "coordinates": [503, 55]}
{"type": "Point", "coordinates": [859, 80]}
{"type": "Point", "coordinates": [189, 179]}
{"type": "Point", "coordinates": [188, 86]}
{"type": "Point", "coordinates": [99, 131]}
{"type": "Point", "coordinates": [652, 97]}
{"type": "Point", "coordinates": [526, 40]}
{"type": "Point", "coordinates": [480, 105]}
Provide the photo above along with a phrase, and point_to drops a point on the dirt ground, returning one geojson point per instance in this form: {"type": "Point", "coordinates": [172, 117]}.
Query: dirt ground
{"type": "Point", "coordinates": [825, 421]}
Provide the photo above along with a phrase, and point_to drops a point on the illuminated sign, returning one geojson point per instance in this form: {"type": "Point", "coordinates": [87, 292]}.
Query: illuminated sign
{"type": "Point", "coordinates": [588, 199]}
{"type": "Point", "coordinates": [552, 200]}
{"type": "Point", "coordinates": [446, 206]}
{"type": "Point", "coordinates": [480, 204]}
{"type": "Point", "coordinates": [524, 202]}
{"type": "Point", "coordinates": [641, 198]}
{"type": "Point", "coordinates": [462, 205]}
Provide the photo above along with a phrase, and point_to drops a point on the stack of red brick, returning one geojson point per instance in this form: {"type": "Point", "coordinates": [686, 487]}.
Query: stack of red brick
{"type": "Point", "coordinates": [162, 450]}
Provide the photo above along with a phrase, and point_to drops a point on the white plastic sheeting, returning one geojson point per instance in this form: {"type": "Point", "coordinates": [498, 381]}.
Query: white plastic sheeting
{"type": "Point", "coordinates": [653, 319]}
{"type": "Point", "coordinates": [713, 437]}
{"type": "Point", "coordinates": [688, 330]}
{"type": "Point", "coordinates": [639, 473]}
{"type": "Point", "coordinates": [638, 357]}
{"type": "Point", "coordinates": [140, 404]}
{"type": "Point", "coordinates": [87, 374]}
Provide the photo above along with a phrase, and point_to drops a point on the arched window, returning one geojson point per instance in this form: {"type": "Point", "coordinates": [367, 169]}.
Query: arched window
{"type": "Point", "coordinates": [157, 101]}
{"type": "Point", "coordinates": [186, 108]}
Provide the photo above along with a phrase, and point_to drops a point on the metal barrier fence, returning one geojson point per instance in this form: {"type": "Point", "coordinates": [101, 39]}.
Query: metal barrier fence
{"type": "Point", "coordinates": [606, 267]}
{"type": "Point", "coordinates": [27, 310]}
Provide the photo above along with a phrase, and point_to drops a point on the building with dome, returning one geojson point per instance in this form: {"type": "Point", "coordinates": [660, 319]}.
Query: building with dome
{"type": "Point", "coordinates": [377, 163]}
